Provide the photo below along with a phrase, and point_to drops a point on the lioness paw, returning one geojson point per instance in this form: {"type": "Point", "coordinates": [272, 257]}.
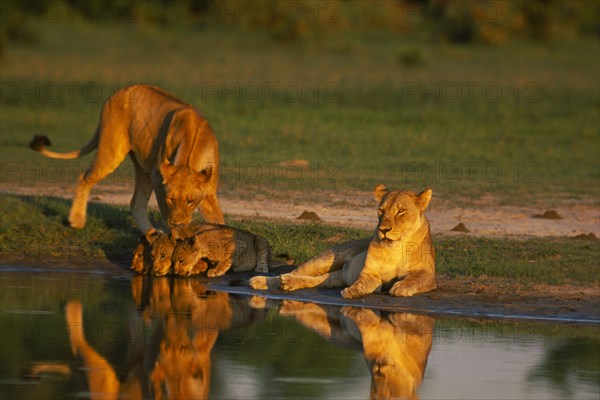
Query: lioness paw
{"type": "Point", "coordinates": [258, 283]}
{"type": "Point", "coordinates": [77, 221]}
{"type": "Point", "coordinates": [290, 282]}
{"type": "Point", "coordinates": [400, 290]}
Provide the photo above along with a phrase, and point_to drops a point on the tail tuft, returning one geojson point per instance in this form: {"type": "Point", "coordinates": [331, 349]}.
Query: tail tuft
{"type": "Point", "coordinates": [39, 142]}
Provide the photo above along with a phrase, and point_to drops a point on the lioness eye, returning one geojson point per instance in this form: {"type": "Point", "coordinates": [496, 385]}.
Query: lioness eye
{"type": "Point", "coordinates": [400, 211]}
{"type": "Point", "coordinates": [190, 202]}
{"type": "Point", "coordinates": [162, 256]}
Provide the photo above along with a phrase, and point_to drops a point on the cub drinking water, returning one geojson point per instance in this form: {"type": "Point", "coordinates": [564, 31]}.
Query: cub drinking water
{"type": "Point", "coordinates": [221, 248]}
{"type": "Point", "coordinates": [193, 248]}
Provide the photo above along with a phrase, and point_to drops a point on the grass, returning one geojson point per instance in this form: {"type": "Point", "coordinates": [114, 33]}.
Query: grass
{"type": "Point", "coordinates": [32, 229]}
{"type": "Point", "coordinates": [516, 120]}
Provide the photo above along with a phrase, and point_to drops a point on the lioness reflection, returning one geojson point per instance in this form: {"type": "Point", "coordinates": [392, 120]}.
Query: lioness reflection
{"type": "Point", "coordinates": [395, 346]}
{"type": "Point", "coordinates": [175, 362]}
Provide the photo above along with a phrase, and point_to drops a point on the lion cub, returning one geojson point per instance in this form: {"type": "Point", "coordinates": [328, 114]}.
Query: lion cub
{"type": "Point", "coordinates": [221, 248]}
{"type": "Point", "coordinates": [153, 253]}
{"type": "Point", "coordinates": [399, 256]}
{"type": "Point", "coordinates": [142, 257]}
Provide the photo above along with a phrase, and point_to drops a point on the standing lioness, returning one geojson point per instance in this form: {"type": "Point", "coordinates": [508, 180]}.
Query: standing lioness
{"type": "Point", "coordinates": [399, 255]}
{"type": "Point", "coordinates": [173, 149]}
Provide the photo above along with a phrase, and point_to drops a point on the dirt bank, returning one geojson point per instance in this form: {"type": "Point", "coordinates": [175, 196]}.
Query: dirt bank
{"type": "Point", "coordinates": [485, 216]}
{"type": "Point", "coordinates": [490, 298]}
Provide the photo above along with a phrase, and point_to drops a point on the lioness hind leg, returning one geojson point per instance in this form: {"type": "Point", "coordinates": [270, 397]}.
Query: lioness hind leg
{"type": "Point", "coordinates": [291, 281]}
{"type": "Point", "coordinates": [418, 282]}
{"type": "Point", "coordinates": [98, 170]}
{"type": "Point", "coordinates": [319, 265]}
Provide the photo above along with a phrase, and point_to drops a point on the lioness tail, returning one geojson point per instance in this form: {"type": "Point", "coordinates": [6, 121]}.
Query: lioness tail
{"type": "Point", "coordinates": [39, 144]}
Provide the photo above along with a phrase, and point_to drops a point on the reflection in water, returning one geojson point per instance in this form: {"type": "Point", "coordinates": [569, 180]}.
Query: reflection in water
{"type": "Point", "coordinates": [71, 335]}
{"type": "Point", "coordinates": [175, 363]}
{"type": "Point", "coordinates": [395, 346]}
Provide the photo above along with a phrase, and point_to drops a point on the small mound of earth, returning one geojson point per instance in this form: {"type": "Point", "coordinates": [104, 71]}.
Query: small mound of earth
{"type": "Point", "coordinates": [586, 236]}
{"type": "Point", "coordinates": [295, 163]}
{"type": "Point", "coordinates": [309, 216]}
{"type": "Point", "coordinates": [460, 228]}
{"type": "Point", "coordinates": [550, 214]}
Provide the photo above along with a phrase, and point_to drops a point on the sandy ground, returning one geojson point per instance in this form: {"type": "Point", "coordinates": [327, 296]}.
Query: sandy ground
{"type": "Point", "coordinates": [483, 217]}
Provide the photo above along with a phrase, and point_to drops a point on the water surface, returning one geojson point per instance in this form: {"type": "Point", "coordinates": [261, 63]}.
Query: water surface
{"type": "Point", "coordinates": [74, 335]}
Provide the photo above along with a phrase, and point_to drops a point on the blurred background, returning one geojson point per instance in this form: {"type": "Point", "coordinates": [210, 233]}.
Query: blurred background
{"type": "Point", "coordinates": [467, 97]}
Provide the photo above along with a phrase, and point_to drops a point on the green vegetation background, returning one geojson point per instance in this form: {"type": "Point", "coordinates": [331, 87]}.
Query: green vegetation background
{"type": "Point", "coordinates": [464, 97]}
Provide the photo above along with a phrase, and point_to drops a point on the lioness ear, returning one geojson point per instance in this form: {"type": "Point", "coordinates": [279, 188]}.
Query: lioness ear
{"type": "Point", "coordinates": [204, 175]}
{"type": "Point", "coordinates": [424, 199]}
{"type": "Point", "coordinates": [380, 192]}
{"type": "Point", "coordinates": [167, 170]}
{"type": "Point", "coordinates": [151, 235]}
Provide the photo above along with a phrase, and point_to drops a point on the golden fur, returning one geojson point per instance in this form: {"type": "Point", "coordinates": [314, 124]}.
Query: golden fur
{"type": "Point", "coordinates": [192, 248]}
{"type": "Point", "coordinates": [399, 256]}
{"type": "Point", "coordinates": [222, 248]}
{"type": "Point", "coordinates": [396, 347]}
{"type": "Point", "coordinates": [153, 254]}
{"type": "Point", "coordinates": [173, 149]}
{"type": "Point", "coordinates": [175, 360]}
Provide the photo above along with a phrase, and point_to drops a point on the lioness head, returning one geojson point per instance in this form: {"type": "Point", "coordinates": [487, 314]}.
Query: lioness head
{"type": "Point", "coordinates": [184, 191]}
{"type": "Point", "coordinates": [184, 257]}
{"type": "Point", "coordinates": [142, 257]}
{"type": "Point", "coordinates": [162, 250]}
{"type": "Point", "coordinates": [400, 212]}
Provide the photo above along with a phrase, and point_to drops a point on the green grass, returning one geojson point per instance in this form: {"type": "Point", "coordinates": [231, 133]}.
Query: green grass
{"type": "Point", "coordinates": [363, 117]}
{"type": "Point", "coordinates": [32, 229]}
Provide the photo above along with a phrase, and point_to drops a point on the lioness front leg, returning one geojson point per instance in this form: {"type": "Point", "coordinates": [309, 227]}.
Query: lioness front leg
{"type": "Point", "coordinates": [211, 209]}
{"type": "Point", "coordinates": [418, 282]}
{"type": "Point", "coordinates": [102, 165]}
{"type": "Point", "coordinates": [141, 196]}
{"type": "Point", "coordinates": [365, 284]}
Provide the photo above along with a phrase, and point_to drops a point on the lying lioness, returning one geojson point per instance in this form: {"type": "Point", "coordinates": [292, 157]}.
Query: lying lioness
{"type": "Point", "coordinates": [173, 149]}
{"type": "Point", "coordinates": [399, 255]}
{"type": "Point", "coordinates": [223, 247]}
